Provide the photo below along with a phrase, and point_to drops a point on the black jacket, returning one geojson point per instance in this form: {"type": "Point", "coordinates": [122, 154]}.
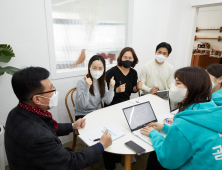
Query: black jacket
{"type": "Point", "coordinates": [31, 143]}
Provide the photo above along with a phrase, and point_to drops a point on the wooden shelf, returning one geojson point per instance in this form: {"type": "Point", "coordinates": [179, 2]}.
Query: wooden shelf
{"type": "Point", "coordinates": [219, 38]}
{"type": "Point", "coordinates": [197, 29]}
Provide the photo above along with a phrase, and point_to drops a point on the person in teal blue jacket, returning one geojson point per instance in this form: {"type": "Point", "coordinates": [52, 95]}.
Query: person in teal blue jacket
{"type": "Point", "coordinates": [194, 140]}
{"type": "Point", "coordinates": [215, 73]}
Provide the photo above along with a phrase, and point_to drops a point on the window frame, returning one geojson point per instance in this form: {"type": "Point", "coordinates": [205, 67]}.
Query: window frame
{"type": "Point", "coordinates": [81, 71]}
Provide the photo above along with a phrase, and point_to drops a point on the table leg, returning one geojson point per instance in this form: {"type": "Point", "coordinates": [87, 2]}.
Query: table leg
{"type": "Point", "coordinates": [128, 162]}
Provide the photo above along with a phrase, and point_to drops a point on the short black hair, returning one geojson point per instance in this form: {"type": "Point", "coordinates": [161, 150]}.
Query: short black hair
{"type": "Point", "coordinates": [164, 45]}
{"type": "Point", "coordinates": [26, 82]}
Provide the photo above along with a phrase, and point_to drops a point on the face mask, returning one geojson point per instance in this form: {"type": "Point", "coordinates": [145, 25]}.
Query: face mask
{"type": "Point", "coordinates": [177, 94]}
{"type": "Point", "coordinates": [53, 101]}
{"type": "Point", "coordinates": [160, 58]}
{"type": "Point", "coordinates": [96, 74]}
{"type": "Point", "coordinates": [127, 63]}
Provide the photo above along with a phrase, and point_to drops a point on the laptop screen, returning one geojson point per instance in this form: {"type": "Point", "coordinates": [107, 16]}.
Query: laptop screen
{"type": "Point", "coordinates": [173, 105]}
{"type": "Point", "coordinates": [139, 115]}
{"type": "Point", "coordinates": [163, 94]}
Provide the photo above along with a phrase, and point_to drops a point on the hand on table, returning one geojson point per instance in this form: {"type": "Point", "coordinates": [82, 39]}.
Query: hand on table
{"type": "Point", "coordinates": [88, 81]}
{"type": "Point", "coordinates": [121, 88]}
{"type": "Point", "coordinates": [106, 139]}
{"type": "Point", "coordinates": [154, 90]}
{"type": "Point", "coordinates": [112, 82]}
{"type": "Point", "coordinates": [79, 124]}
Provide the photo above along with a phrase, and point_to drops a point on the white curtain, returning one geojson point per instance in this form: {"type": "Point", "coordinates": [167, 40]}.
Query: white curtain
{"type": "Point", "coordinates": [99, 26]}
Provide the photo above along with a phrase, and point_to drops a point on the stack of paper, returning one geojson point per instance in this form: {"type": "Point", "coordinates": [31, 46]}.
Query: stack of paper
{"type": "Point", "coordinates": [90, 136]}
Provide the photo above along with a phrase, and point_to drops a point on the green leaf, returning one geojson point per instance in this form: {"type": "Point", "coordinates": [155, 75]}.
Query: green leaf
{"type": "Point", "coordinates": [1, 71]}
{"type": "Point", "coordinates": [4, 58]}
{"type": "Point", "coordinates": [6, 53]}
{"type": "Point", "coordinates": [8, 69]}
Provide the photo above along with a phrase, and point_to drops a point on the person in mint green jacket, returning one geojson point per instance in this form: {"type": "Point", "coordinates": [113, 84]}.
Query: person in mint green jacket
{"type": "Point", "coordinates": [215, 73]}
{"type": "Point", "coordinates": [194, 140]}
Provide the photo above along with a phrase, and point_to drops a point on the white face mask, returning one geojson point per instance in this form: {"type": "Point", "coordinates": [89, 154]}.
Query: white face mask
{"type": "Point", "coordinates": [53, 101]}
{"type": "Point", "coordinates": [96, 74]}
{"type": "Point", "coordinates": [160, 58]}
{"type": "Point", "coordinates": [177, 94]}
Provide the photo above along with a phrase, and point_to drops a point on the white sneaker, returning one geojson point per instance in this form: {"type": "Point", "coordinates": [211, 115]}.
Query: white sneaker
{"type": "Point", "coordinates": [119, 166]}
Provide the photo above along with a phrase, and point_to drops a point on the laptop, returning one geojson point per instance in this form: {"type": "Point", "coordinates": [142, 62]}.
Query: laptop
{"type": "Point", "coordinates": [173, 105]}
{"type": "Point", "coordinates": [138, 116]}
{"type": "Point", "coordinates": [174, 109]}
{"type": "Point", "coordinates": [163, 94]}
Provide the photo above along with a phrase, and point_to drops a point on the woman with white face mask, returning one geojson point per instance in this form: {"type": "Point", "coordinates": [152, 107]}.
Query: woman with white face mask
{"type": "Point", "coordinates": [194, 139]}
{"type": "Point", "coordinates": [92, 89]}
{"type": "Point", "coordinates": [215, 73]}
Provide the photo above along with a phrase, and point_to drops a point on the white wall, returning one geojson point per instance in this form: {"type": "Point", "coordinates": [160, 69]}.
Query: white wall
{"type": "Point", "coordinates": [210, 17]}
{"type": "Point", "coordinates": [23, 26]}
{"type": "Point", "coordinates": [158, 21]}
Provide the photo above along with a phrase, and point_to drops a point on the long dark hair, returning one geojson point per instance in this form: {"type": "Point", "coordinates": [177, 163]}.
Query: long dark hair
{"type": "Point", "coordinates": [215, 70]}
{"type": "Point", "coordinates": [198, 85]}
{"type": "Point", "coordinates": [119, 59]}
{"type": "Point", "coordinates": [101, 80]}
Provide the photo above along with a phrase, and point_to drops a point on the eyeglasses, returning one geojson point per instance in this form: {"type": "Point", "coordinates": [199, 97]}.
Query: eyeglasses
{"type": "Point", "coordinates": [54, 90]}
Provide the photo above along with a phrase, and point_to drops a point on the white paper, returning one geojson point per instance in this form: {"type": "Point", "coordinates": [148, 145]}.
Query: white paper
{"type": "Point", "coordinates": [97, 133]}
{"type": "Point", "coordinates": [134, 101]}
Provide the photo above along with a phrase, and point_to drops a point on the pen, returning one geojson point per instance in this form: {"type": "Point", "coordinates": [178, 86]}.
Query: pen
{"type": "Point", "coordinates": [96, 139]}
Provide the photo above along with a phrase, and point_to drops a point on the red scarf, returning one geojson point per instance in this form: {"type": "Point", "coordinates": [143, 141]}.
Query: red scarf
{"type": "Point", "coordinates": [39, 112]}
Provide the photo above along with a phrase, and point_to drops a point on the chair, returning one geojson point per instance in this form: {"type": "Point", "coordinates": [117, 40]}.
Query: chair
{"type": "Point", "coordinates": [139, 93]}
{"type": "Point", "coordinates": [75, 132]}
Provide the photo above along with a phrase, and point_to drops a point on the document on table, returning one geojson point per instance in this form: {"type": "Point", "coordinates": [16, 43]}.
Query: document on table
{"type": "Point", "coordinates": [90, 136]}
{"type": "Point", "coordinates": [134, 101]}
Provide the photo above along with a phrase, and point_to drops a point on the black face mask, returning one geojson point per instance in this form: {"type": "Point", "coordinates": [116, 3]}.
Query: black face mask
{"type": "Point", "coordinates": [127, 63]}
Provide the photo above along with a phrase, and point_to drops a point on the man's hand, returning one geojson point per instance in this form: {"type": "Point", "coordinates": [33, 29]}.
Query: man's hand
{"type": "Point", "coordinates": [88, 81]}
{"type": "Point", "coordinates": [156, 125]}
{"type": "Point", "coordinates": [106, 139]}
{"type": "Point", "coordinates": [112, 82]}
{"type": "Point", "coordinates": [139, 85]}
{"type": "Point", "coordinates": [79, 124]}
{"type": "Point", "coordinates": [154, 90]}
{"type": "Point", "coordinates": [121, 88]}
{"type": "Point", "coordinates": [146, 130]}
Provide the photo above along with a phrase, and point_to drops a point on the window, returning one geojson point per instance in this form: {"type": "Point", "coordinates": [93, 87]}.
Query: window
{"type": "Point", "coordinates": [83, 28]}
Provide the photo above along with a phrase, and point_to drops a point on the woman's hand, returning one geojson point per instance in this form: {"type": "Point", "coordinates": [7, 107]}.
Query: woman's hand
{"type": "Point", "coordinates": [112, 82]}
{"type": "Point", "coordinates": [88, 81]}
{"type": "Point", "coordinates": [156, 125]}
{"type": "Point", "coordinates": [121, 88]}
{"type": "Point", "coordinates": [146, 130]}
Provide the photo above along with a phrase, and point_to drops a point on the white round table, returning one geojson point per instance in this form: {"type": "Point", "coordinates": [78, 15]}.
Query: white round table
{"type": "Point", "coordinates": [115, 116]}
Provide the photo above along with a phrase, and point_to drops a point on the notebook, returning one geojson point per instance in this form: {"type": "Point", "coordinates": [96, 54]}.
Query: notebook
{"type": "Point", "coordinates": [138, 116]}
{"type": "Point", "coordinates": [90, 136]}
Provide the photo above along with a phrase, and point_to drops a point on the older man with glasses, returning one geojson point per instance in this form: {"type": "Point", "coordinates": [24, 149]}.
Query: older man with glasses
{"type": "Point", "coordinates": [31, 135]}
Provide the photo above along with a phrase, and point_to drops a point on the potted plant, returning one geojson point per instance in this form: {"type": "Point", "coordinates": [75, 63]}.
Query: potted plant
{"type": "Point", "coordinates": [6, 53]}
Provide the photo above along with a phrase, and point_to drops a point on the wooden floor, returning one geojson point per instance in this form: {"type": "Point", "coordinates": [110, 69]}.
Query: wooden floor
{"type": "Point", "coordinates": [140, 164]}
